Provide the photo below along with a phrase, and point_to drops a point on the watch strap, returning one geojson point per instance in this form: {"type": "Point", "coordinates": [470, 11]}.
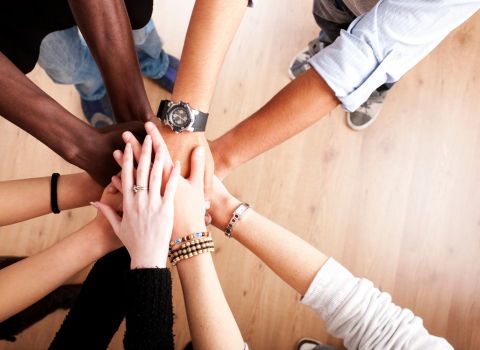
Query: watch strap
{"type": "Point", "coordinates": [200, 123]}
{"type": "Point", "coordinates": [162, 110]}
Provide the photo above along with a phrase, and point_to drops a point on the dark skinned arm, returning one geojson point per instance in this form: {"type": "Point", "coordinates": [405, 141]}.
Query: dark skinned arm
{"type": "Point", "coordinates": [107, 31]}
{"type": "Point", "coordinates": [27, 106]}
{"type": "Point", "coordinates": [296, 107]}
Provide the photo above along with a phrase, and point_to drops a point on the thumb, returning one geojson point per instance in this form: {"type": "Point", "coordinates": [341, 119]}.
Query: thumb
{"type": "Point", "coordinates": [198, 165]}
{"type": "Point", "coordinates": [113, 218]}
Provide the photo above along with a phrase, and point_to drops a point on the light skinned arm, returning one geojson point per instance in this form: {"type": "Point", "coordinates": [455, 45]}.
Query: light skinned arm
{"type": "Point", "coordinates": [287, 255]}
{"type": "Point", "coordinates": [29, 198]}
{"type": "Point", "coordinates": [29, 280]}
{"type": "Point", "coordinates": [296, 107]}
{"type": "Point", "coordinates": [213, 25]}
{"type": "Point", "coordinates": [211, 322]}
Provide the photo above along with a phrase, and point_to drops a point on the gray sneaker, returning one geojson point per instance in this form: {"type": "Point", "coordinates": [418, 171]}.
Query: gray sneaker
{"type": "Point", "coordinates": [312, 344]}
{"type": "Point", "coordinates": [300, 61]}
{"type": "Point", "coordinates": [367, 112]}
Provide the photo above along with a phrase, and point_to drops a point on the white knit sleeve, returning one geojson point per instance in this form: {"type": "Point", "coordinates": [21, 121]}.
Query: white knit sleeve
{"type": "Point", "coordinates": [363, 316]}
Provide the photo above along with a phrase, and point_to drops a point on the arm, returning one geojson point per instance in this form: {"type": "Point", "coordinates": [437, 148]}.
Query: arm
{"type": "Point", "coordinates": [107, 31]}
{"type": "Point", "coordinates": [296, 107]}
{"type": "Point", "coordinates": [354, 310]}
{"type": "Point", "coordinates": [211, 30]}
{"type": "Point", "coordinates": [27, 281]}
{"type": "Point", "coordinates": [374, 50]}
{"type": "Point", "coordinates": [26, 199]}
{"type": "Point", "coordinates": [28, 107]}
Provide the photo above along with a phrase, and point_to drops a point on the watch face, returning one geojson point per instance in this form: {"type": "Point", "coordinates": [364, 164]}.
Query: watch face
{"type": "Point", "coordinates": [180, 117]}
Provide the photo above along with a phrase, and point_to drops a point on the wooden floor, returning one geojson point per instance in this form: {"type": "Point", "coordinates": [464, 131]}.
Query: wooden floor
{"type": "Point", "coordinates": [398, 204]}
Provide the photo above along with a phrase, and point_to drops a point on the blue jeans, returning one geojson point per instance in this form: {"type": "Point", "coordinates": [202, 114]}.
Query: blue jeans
{"type": "Point", "coordinates": [67, 59]}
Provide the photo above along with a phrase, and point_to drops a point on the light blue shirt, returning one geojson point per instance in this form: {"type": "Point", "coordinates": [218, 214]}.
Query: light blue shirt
{"type": "Point", "coordinates": [383, 44]}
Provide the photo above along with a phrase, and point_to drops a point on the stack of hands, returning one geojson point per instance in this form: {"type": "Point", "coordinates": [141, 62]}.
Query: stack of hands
{"type": "Point", "coordinates": [168, 207]}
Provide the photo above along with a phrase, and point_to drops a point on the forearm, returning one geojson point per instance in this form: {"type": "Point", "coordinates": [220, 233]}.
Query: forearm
{"type": "Point", "coordinates": [29, 198]}
{"type": "Point", "coordinates": [296, 107]}
{"type": "Point", "coordinates": [211, 322]}
{"type": "Point", "coordinates": [106, 28]}
{"type": "Point", "coordinates": [28, 107]}
{"type": "Point", "coordinates": [27, 281]}
{"type": "Point", "coordinates": [211, 30]}
{"type": "Point", "coordinates": [288, 256]}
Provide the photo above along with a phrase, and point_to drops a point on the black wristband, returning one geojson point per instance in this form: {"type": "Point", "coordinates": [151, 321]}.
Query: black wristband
{"type": "Point", "coordinates": [53, 193]}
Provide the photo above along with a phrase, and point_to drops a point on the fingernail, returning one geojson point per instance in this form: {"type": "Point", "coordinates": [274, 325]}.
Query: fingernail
{"type": "Point", "coordinates": [177, 164]}
{"type": "Point", "coordinates": [201, 151]}
{"type": "Point", "coordinates": [126, 136]}
{"type": "Point", "coordinates": [149, 126]}
{"type": "Point", "coordinates": [112, 189]}
{"type": "Point", "coordinates": [129, 146]}
{"type": "Point", "coordinates": [207, 204]}
{"type": "Point", "coordinates": [116, 154]}
{"type": "Point", "coordinates": [93, 204]}
{"type": "Point", "coordinates": [148, 138]}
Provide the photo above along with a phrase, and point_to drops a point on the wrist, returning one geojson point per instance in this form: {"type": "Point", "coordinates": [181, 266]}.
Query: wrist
{"type": "Point", "coordinates": [223, 159]}
{"type": "Point", "coordinates": [101, 238]}
{"type": "Point", "coordinates": [149, 263]}
{"type": "Point", "coordinates": [222, 211]}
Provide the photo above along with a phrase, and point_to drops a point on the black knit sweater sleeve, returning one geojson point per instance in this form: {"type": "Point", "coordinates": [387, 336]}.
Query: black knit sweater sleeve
{"type": "Point", "coordinates": [149, 312]}
{"type": "Point", "coordinates": [100, 308]}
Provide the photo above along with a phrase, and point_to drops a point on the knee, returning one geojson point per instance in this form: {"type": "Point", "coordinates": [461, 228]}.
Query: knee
{"type": "Point", "coordinates": [139, 12]}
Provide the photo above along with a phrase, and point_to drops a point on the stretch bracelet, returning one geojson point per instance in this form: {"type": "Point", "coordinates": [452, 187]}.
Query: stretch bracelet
{"type": "Point", "coordinates": [187, 238]}
{"type": "Point", "coordinates": [193, 245]}
{"type": "Point", "coordinates": [187, 255]}
{"type": "Point", "coordinates": [53, 193]}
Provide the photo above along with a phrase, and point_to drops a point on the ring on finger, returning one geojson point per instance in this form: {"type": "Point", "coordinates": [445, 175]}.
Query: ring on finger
{"type": "Point", "coordinates": [139, 188]}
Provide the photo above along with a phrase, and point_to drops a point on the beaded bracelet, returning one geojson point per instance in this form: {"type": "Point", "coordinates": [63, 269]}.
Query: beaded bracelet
{"type": "Point", "coordinates": [192, 245]}
{"type": "Point", "coordinates": [187, 238]}
{"type": "Point", "coordinates": [189, 255]}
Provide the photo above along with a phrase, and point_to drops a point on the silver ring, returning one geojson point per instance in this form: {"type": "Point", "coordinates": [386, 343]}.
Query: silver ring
{"type": "Point", "coordinates": [139, 188]}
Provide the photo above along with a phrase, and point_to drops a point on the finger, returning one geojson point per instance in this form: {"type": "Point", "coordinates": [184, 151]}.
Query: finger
{"type": "Point", "coordinates": [156, 175]}
{"type": "Point", "coordinates": [198, 165]}
{"type": "Point", "coordinates": [208, 219]}
{"type": "Point", "coordinates": [157, 140]}
{"type": "Point", "coordinates": [117, 182]}
{"type": "Point", "coordinates": [118, 155]}
{"type": "Point", "coordinates": [110, 214]}
{"type": "Point", "coordinates": [172, 183]}
{"type": "Point", "coordinates": [208, 181]}
{"type": "Point", "coordinates": [143, 168]}
{"type": "Point", "coordinates": [127, 175]}
{"type": "Point", "coordinates": [136, 146]}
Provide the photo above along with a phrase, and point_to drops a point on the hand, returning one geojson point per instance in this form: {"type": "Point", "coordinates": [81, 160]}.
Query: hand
{"type": "Point", "coordinates": [181, 146]}
{"type": "Point", "coordinates": [95, 156]}
{"type": "Point", "coordinates": [182, 223]}
{"type": "Point", "coordinates": [115, 201]}
{"type": "Point", "coordinates": [146, 226]}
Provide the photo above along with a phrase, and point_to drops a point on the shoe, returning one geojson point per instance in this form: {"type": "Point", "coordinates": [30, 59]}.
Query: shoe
{"type": "Point", "coordinates": [61, 298]}
{"type": "Point", "coordinates": [168, 79]}
{"type": "Point", "coordinates": [312, 344]}
{"type": "Point", "coordinates": [99, 112]}
{"type": "Point", "coordinates": [300, 61]}
{"type": "Point", "coordinates": [367, 112]}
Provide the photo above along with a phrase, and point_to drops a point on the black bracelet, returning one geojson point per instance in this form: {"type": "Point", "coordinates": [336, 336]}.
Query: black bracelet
{"type": "Point", "coordinates": [53, 196]}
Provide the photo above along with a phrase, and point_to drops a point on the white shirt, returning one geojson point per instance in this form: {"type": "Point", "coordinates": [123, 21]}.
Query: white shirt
{"type": "Point", "coordinates": [364, 317]}
{"type": "Point", "coordinates": [383, 44]}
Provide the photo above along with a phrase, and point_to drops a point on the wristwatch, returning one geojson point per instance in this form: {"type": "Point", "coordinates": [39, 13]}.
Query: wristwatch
{"type": "Point", "coordinates": [237, 215]}
{"type": "Point", "coordinates": [181, 117]}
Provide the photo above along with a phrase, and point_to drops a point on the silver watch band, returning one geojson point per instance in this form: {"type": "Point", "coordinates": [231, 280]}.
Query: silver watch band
{"type": "Point", "coordinates": [237, 215]}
